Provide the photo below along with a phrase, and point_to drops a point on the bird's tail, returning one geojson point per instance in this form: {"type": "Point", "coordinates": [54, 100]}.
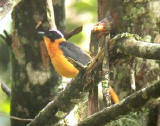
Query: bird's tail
{"type": "Point", "coordinates": [113, 95]}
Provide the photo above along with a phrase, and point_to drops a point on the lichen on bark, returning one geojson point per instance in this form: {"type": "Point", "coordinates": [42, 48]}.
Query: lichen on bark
{"type": "Point", "coordinates": [33, 85]}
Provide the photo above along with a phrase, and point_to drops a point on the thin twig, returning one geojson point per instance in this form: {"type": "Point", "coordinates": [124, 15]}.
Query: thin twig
{"type": "Point", "coordinates": [6, 37]}
{"type": "Point", "coordinates": [73, 32]}
{"type": "Point", "coordinates": [17, 118]}
{"type": "Point", "coordinates": [6, 89]}
{"type": "Point", "coordinates": [132, 74]}
{"type": "Point", "coordinates": [21, 119]}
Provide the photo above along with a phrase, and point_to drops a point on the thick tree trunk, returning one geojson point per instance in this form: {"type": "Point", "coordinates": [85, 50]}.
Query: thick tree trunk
{"type": "Point", "coordinates": [137, 17]}
{"type": "Point", "coordinates": [33, 85]}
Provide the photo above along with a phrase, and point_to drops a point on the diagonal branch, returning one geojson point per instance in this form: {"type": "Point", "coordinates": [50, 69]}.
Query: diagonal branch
{"type": "Point", "coordinates": [49, 115]}
{"type": "Point", "coordinates": [65, 102]}
{"type": "Point", "coordinates": [123, 45]}
{"type": "Point", "coordinates": [132, 103]}
{"type": "Point", "coordinates": [73, 32]}
{"type": "Point", "coordinates": [5, 89]}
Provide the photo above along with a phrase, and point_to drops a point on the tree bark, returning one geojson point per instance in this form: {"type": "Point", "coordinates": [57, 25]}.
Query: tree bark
{"type": "Point", "coordinates": [138, 17]}
{"type": "Point", "coordinates": [71, 96]}
{"type": "Point", "coordinates": [97, 42]}
{"type": "Point", "coordinates": [93, 101]}
{"type": "Point", "coordinates": [132, 103]}
{"type": "Point", "coordinates": [33, 85]}
{"type": "Point", "coordinates": [32, 81]}
{"type": "Point", "coordinates": [93, 93]}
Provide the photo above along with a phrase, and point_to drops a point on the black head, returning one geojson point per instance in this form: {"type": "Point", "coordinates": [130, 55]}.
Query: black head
{"type": "Point", "coordinates": [52, 34]}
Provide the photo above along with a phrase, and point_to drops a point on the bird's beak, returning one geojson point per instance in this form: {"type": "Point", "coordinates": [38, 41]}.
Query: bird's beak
{"type": "Point", "coordinates": [41, 33]}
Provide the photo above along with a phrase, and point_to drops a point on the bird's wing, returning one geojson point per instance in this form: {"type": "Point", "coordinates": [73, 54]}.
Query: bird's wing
{"type": "Point", "coordinates": [74, 53]}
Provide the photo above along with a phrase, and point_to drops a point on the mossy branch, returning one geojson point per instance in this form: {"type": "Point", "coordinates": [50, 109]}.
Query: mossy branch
{"type": "Point", "coordinates": [128, 45]}
{"type": "Point", "coordinates": [64, 103]}
{"type": "Point", "coordinates": [132, 103]}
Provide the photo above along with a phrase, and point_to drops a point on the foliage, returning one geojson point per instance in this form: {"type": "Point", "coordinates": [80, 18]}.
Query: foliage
{"type": "Point", "coordinates": [81, 8]}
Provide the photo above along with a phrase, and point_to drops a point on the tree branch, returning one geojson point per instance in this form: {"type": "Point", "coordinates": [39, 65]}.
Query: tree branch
{"type": "Point", "coordinates": [5, 89]}
{"type": "Point", "coordinates": [7, 38]}
{"type": "Point", "coordinates": [132, 103]}
{"type": "Point", "coordinates": [73, 32]}
{"type": "Point", "coordinates": [16, 118]}
{"type": "Point", "coordinates": [133, 47]}
{"type": "Point", "coordinates": [69, 96]}
{"type": "Point", "coordinates": [72, 94]}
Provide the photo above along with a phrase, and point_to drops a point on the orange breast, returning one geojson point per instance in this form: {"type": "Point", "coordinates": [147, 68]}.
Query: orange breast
{"type": "Point", "coordinates": [60, 63]}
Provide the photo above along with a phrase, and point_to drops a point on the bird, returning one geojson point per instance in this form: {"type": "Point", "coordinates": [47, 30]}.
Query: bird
{"type": "Point", "coordinates": [64, 55]}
